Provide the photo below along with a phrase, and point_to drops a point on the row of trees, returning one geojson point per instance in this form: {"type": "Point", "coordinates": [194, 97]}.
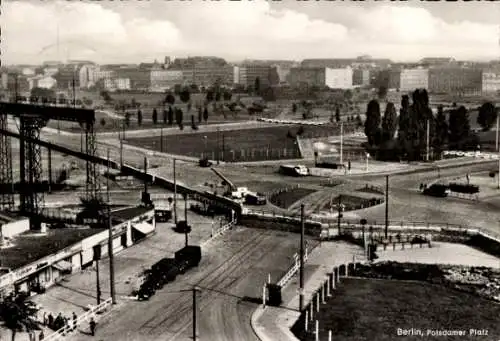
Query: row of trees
{"type": "Point", "coordinates": [414, 120]}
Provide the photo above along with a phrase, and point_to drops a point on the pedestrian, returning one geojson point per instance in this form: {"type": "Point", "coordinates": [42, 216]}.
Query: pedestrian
{"type": "Point", "coordinates": [41, 336]}
{"type": "Point", "coordinates": [74, 321]}
{"type": "Point", "coordinates": [92, 326]}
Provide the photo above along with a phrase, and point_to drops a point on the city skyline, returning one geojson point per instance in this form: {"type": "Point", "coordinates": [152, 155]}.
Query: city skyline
{"type": "Point", "coordinates": [124, 33]}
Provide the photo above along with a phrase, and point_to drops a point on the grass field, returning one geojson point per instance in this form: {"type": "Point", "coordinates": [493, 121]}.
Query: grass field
{"type": "Point", "coordinates": [362, 309]}
{"type": "Point", "coordinates": [268, 143]}
{"type": "Point", "coordinates": [287, 198]}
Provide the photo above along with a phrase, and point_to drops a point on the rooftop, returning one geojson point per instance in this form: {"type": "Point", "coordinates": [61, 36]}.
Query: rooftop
{"type": "Point", "coordinates": [29, 247]}
{"type": "Point", "coordinates": [129, 213]}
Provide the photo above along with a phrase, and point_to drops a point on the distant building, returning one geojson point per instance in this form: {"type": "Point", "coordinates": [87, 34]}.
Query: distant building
{"type": "Point", "coordinates": [361, 77]}
{"type": "Point", "coordinates": [321, 77]}
{"type": "Point", "coordinates": [411, 79]}
{"type": "Point", "coordinates": [455, 80]}
{"type": "Point", "coordinates": [437, 61]}
{"type": "Point", "coordinates": [247, 74]}
{"type": "Point", "coordinates": [46, 82]}
{"type": "Point", "coordinates": [87, 75]}
{"type": "Point", "coordinates": [140, 79]}
{"type": "Point", "coordinates": [162, 80]}
{"type": "Point", "coordinates": [13, 82]}
{"type": "Point", "coordinates": [66, 75]}
{"type": "Point", "coordinates": [340, 63]}
{"type": "Point", "coordinates": [28, 71]}
{"type": "Point", "coordinates": [491, 81]}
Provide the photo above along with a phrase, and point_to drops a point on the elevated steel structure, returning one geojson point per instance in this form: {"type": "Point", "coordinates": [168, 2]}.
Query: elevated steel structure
{"type": "Point", "coordinates": [31, 118]}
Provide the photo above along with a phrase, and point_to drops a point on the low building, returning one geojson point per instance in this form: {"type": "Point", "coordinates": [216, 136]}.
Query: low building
{"type": "Point", "coordinates": [38, 260]}
{"type": "Point", "coordinates": [491, 81]}
{"type": "Point", "coordinates": [321, 77]}
{"type": "Point", "coordinates": [455, 80]}
{"type": "Point", "coordinates": [46, 82]}
{"type": "Point", "coordinates": [411, 79]}
{"type": "Point", "coordinates": [87, 75]}
{"type": "Point", "coordinates": [162, 80]}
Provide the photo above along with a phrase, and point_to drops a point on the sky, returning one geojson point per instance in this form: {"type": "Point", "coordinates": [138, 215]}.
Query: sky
{"type": "Point", "coordinates": [141, 31]}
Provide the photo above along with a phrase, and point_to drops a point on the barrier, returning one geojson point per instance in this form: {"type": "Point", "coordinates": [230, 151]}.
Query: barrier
{"type": "Point", "coordinates": [220, 232]}
{"type": "Point", "coordinates": [289, 274]}
{"type": "Point", "coordinates": [92, 312]}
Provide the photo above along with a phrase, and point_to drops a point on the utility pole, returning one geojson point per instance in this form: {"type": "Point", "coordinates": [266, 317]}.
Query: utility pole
{"type": "Point", "coordinates": [427, 145]}
{"type": "Point", "coordinates": [110, 240]}
{"type": "Point", "coordinates": [175, 195]}
{"type": "Point", "coordinates": [218, 145]}
{"type": "Point", "coordinates": [194, 313]}
{"type": "Point", "coordinates": [98, 285]}
{"type": "Point", "coordinates": [339, 215]}
{"type": "Point", "coordinates": [145, 174]}
{"type": "Point", "coordinates": [50, 168]}
{"type": "Point", "coordinates": [341, 143]}
{"type": "Point", "coordinates": [301, 269]}
{"type": "Point", "coordinates": [186, 216]}
{"type": "Point", "coordinates": [386, 205]}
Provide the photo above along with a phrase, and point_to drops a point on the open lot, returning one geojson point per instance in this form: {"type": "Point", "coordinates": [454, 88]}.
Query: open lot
{"type": "Point", "coordinates": [287, 198]}
{"type": "Point", "coordinates": [266, 143]}
{"type": "Point", "coordinates": [359, 310]}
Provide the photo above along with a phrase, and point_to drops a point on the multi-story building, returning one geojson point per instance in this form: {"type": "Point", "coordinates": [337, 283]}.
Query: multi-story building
{"type": "Point", "coordinates": [361, 77]}
{"type": "Point", "coordinates": [67, 76]}
{"type": "Point", "coordinates": [140, 79]}
{"type": "Point", "coordinates": [340, 63]}
{"type": "Point", "coordinates": [87, 75]}
{"type": "Point", "coordinates": [454, 80]}
{"type": "Point", "coordinates": [162, 80]}
{"type": "Point", "coordinates": [333, 78]}
{"type": "Point", "coordinates": [14, 82]}
{"type": "Point", "coordinates": [208, 75]}
{"type": "Point", "coordinates": [411, 79]}
{"type": "Point", "coordinates": [491, 81]}
{"type": "Point", "coordinates": [437, 61]}
{"type": "Point", "coordinates": [247, 74]}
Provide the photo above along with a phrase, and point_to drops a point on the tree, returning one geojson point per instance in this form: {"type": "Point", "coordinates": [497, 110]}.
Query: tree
{"type": "Point", "coordinates": [103, 121]}
{"type": "Point", "coordinates": [178, 117]}
{"type": "Point", "coordinates": [139, 117]}
{"type": "Point", "coordinates": [170, 116]}
{"type": "Point", "coordinates": [372, 123]}
{"type": "Point", "coordinates": [257, 85]}
{"type": "Point", "coordinates": [389, 122]}
{"type": "Point", "coordinates": [227, 95]}
{"type": "Point", "coordinates": [185, 95]}
{"type": "Point", "coordinates": [200, 114]}
{"type": "Point", "coordinates": [155, 116]}
{"type": "Point", "coordinates": [165, 116]}
{"type": "Point", "coordinates": [127, 119]}
{"type": "Point", "coordinates": [337, 114]}
{"type": "Point", "coordinates": [170, 99]}
{"type": "Point", "coordinates": [441, 136]}
{"type": "Point", "coordinates": [17, 315]}
{"type": "Point", "coordinates": [382, 92]}
{"type": "Point", "coordinates": [105, 96]}
{"type": "Point", "coordinates": [459, 128]}
{"type": "Point", "coordinates": [42, 93]}
{"type": "Point", "coordinates": [210, 95]}
{"type": "Point", "coordinates": [205, 115]}
{"type": "Point", "coordinates": [487, 116]}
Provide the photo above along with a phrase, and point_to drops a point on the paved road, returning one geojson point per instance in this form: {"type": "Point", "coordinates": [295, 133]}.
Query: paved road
{"type": "Point", "coordinates": [234, 266]}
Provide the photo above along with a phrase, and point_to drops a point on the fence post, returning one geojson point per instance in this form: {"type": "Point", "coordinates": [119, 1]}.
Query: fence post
{"type": "Point", "coordinates": [347, 269]}
{"type": "Point", "coordinates": [264, 296]}
{"type": "Point", "coordinates": [323, 293]}
{"type": "Point", "coordinates": [329, 335]}
{"type": "Point", "coordinates": [306, 320]}
{"type": "Point", "coordinates": [317, 330]}
{"type": "Point", "coordinates": [317, 302]}
{"type": "Point", "coordinates": [338, 274]}
{"type": "Point", "coordinates": [311, 308]}
{"type": "Point", "coordinates": [328, 294]}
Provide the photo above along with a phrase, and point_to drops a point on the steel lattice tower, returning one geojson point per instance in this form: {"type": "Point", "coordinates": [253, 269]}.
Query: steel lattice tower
{"type": "Point", "coordinates": [6, 178]}
{"type": "Point", "coordinates": [93, 186]}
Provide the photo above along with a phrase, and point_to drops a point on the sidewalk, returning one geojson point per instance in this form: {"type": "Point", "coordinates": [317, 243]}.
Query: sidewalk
{"type": "Point", "coordinates": [77, 291]}
{"type": "Point", "coordinates": [273, 324]}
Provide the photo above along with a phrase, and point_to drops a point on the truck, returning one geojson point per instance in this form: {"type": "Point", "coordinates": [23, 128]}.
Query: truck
{"type": "Point", "coordinates": [294, 170]}
{"type": "Point", "coordinates": [188, 257]}
{"type": "Point", "coordinates": [232, 191]}
{"type": "Point", "coordinates": [166, 269]}
{"type": "Point", "coordinates": [436, 190]}
{"type": "Point", "coordinates": [255, 199]}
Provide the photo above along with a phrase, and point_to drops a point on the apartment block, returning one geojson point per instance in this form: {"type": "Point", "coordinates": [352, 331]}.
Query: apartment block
{"type": "Point", "coordinates": [247, 74]}
{"type": "Point", "coordinates": [491, 81]}
{"type": "Point", "coordinates": [162, 80]}
{"type": "Point", "coordinates": [411, 79]}
{"type": "Point", "coordinates": [454, 80]}
{"type": "Point", "coordinates": [317, 76]}
{"type": "Point", "coordinates": [361, 77]}
{"type": "Point", "coordinates": [339, 78]}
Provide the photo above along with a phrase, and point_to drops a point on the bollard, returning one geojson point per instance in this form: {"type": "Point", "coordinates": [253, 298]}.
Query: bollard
{"type": "Point", "coordinates": [329, 335]}
{"type": "Point", "coordinates": [323, 293]}
{"type": "Point", "coordinates": [354, 261]}
{"type": "Point", "coordinates": [264, 296]}
{"type": "Point", "coordinates": [317, 330]}
{"type": "Point", "coordinates": [311, 308]}
{"type": "Point", "coordinates": [394, 246]}
{"type": "Point", "coordinates": [346, 269]}
{"type": "Point", "coordinates": [269, 278]}
{"type": "Point", "coordinates": [338, 274]}
{"type": "Point", "coordinates": [306, 321]}
{"type": "Point", "coordinates": [402, 246]}
{"type": "Point", "coordinates": [267, 153]}
{"type": "Point", "coordinates": [328, 294]}
{"type": "Point", "coordinates": [317, 302]}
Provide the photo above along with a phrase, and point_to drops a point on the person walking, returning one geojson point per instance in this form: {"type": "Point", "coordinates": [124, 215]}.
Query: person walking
{"type": "Point", "coordinates": [74, 321]}
{"type": "Point", "coordinates": [50, 319]}
{"type": "Point", "coordinates": [92, 326]}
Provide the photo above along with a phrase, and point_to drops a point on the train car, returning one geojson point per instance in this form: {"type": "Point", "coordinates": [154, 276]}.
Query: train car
{"type": "Point", "coordinates": [437, 190]}
{"type": "Point", "coordinates": [255, 199]}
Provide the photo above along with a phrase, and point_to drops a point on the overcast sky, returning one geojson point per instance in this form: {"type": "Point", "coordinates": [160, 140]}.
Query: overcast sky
{"type": "Point", "coordinates": [141, 31]}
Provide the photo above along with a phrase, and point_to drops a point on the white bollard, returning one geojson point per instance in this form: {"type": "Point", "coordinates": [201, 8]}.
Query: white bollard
{"type": "Point", "coordinates": [329, 335]}
{"type": "Point", "coordinates": [338, 274]}
{"type": "Point", "coordinates": [269, 278]}
{"type": "Point", "coordinates": [347, 269]}
{"type": "Point", "coordinates": [312, 311]}
{"type": "Point", "coordinates": [328, 286]}
{"type": "Point", "coordinates": [317, 330]}
{"type": "Point", "coordinates": [306, 321]}
{"type": "Point", "coordinates": [323, 294]}
{"type": "Point", "coordinates": [317, 302]}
